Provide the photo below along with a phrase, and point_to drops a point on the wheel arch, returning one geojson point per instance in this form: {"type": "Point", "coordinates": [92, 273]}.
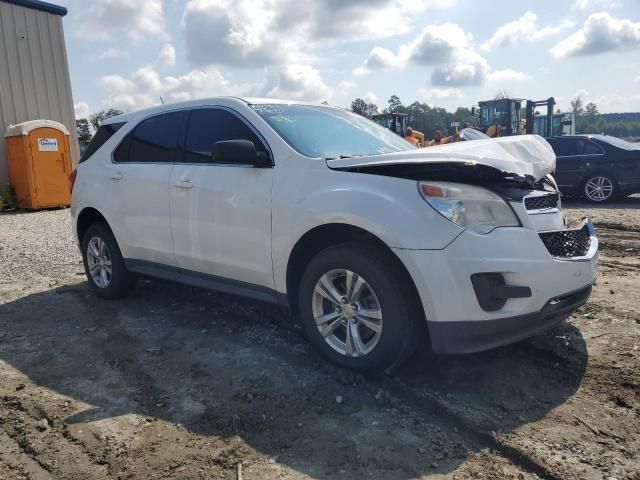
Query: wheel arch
{"type": "Point", "coordinates": [87, 217]}
{"type": "Point", "coordinates": [328, 235]}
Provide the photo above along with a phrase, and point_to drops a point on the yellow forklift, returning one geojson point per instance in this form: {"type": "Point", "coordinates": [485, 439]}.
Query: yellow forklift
{"type": "Point", "coordinates": [397, 122]}
{"type": "Point", "coordinates": [504, 117]}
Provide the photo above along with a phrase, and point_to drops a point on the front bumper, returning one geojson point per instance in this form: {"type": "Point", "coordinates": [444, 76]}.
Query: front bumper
{"type": "Point", "coordinates": [470, 336]}
{"type": "Point", "coordinates": [458, 324]}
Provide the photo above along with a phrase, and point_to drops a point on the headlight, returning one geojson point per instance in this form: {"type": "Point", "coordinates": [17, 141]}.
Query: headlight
{"type": "Point", "coordinates": [475, 208]}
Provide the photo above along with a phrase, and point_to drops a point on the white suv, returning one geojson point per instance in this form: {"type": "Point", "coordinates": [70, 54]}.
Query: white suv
{"type": "Point", "coordinates": [366, 239]}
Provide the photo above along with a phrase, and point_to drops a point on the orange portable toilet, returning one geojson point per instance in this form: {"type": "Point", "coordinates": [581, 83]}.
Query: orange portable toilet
{"type": "Point", "coordinates": [39, 163]}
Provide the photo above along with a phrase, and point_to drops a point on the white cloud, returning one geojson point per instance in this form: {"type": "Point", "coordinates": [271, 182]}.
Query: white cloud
{"type": "Point", "coordinates": [439, 94]}
{"type": "Point", "coordinates": [461, 74]}
{"type": "Point", "coordinates": [382, 58]}
{"type": "Point", "coordinates": [81, 109]}
{"type": "Point", "coordinates": [370, 97]}
{"type": "Point", "coordinates": [146, 86]}
{"type": "Point", "coordinates": [251, 33]}
{"type": "Point", "coordinates": [297, 82]}
{"type": "Point", "coordinates": [231, 32]}
{"type": "Point", "coordinates": [167, 56]}
{"type": "Point", "coordinates": [526, 28]}
{"type": "Point", "coordinates": [110, 54]}
{"type": "Point", "coordinates": [446, 47]}
{"type": "Point", "coordinates": [346, 86]}
{"type": "Point", "coordinates": [507, 76]}
{"type": "Point", "coordinates": [437, 44]}
{"type": "Point", "coordinates": [106, 19]}
{"type": "Point", "coordinates": [601, 33]}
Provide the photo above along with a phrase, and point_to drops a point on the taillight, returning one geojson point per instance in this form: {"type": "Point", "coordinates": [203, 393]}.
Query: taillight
{"type": "Point", "coordinates": [72, 179]}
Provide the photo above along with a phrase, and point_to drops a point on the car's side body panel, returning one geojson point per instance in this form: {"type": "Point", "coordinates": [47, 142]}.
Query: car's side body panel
{"type": "Point", "coordinates": [572, 169]}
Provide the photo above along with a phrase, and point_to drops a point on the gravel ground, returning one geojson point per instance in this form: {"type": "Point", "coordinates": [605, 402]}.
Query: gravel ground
{"type": "Point", "coordinates": [37, 246]}
{"type": "Point", "coordinates": [177, 382]}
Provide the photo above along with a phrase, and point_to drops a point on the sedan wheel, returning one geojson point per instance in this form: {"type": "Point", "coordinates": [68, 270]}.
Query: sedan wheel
{"type": "Point", "coordinates": [347, 313]}
{"type": "Point", "coordinates": [599, 188]}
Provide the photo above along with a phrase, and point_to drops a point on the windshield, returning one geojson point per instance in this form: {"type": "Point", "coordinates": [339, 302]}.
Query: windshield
{"type": "Point", "coordinates": [617, 142]}
{"type": "Point", "coordinates": [329, 132]}
{"type": "Point", "coordinates": [468, 134]}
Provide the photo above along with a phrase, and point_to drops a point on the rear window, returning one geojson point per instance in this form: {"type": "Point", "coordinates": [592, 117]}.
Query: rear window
{"type": "Point", "coordinates": [104, 133]}
{"type": "Point", "coordinates": [154, 140]}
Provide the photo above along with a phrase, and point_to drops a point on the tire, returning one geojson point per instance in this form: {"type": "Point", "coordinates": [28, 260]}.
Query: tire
{"type": "Point", "coordinates": [600, 188]}
{"type": "Point", "coordinates": [386, 290]}
{"type": "Point", "coordinates": [99, 248]}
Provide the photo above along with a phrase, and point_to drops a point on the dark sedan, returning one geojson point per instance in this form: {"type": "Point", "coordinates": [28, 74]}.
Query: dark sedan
{"type": "Point", "coordinates": [596, 167]}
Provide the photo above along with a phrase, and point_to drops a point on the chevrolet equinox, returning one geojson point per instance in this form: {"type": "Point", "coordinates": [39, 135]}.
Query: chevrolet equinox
{"type": "Point", "coordinates": [371, 243]}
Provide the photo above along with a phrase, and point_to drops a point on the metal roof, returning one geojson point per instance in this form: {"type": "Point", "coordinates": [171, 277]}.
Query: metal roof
{"type": "Point", "coordinates": [38, 5]}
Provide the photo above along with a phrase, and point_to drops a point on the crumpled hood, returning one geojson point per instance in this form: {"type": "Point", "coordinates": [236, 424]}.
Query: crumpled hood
{"type": "Point", "coordinates": [523, 155]}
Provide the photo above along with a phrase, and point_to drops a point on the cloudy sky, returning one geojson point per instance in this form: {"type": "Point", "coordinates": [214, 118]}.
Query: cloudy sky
{"type": "Point", "coordinates": [129, 53]}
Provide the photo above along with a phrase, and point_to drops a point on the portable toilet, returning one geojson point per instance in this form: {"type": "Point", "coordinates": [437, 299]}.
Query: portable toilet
{"type": "Point", "coordinates": [39, 163]}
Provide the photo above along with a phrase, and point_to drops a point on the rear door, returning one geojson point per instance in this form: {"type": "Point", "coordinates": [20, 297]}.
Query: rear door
{"type": "Point", "coordinates": [221, 212]}
{"type": "Point", "coordinates": [575, 156]}
{"type": "Point", "coordinates": [139, 178]}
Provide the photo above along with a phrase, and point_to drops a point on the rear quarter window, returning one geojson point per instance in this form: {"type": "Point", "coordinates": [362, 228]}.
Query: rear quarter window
{"type": "Point", "coordinates": [104, 133]}
{"type": "Point", "coordinates": [153, 140]}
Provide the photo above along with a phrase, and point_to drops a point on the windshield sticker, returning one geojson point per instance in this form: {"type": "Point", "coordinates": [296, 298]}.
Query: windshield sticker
{"type": "Point", "coordinates": [267, 109]}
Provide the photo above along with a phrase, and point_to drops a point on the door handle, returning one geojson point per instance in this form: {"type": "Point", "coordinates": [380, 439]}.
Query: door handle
{"type": "Point", "coordinates": [115, 175]}
{"type": "Point", "coordinates": [183, 184]}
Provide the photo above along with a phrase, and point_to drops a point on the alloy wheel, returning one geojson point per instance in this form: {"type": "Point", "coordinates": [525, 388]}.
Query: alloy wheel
{"type": "Point", "coordinates": [347, 313]}
{"type": "Point", "coordinates": [99, 262]}
{"type": "Point", "coordinates": [599, 189]}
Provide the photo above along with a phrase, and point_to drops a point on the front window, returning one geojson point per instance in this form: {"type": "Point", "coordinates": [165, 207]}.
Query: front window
{"type": "Point", "coordinates": [329, 132]}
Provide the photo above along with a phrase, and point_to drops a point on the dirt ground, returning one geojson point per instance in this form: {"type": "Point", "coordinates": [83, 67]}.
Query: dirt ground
{"type": "Point", "coordinates": [177, 382]}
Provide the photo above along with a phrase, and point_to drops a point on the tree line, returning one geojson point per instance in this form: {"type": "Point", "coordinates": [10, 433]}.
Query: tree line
{"type": "Point", "coordinates": [428, 119]}
{"type": "Point", "coordinates": [420, 116]}
{"type": "Point", "coordinates": [590, 120]}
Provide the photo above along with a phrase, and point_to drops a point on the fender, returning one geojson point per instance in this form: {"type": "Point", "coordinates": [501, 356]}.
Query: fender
{"type": "Point", "coordinates": [388, 208]}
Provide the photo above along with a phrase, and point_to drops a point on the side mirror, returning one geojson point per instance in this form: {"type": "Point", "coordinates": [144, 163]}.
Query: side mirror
{"type": "Point", "coordinates": [242, 152]}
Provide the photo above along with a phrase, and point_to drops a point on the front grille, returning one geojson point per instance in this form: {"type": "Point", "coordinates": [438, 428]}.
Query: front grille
{"type": "Point", "coordinates": [542, 202]}
{"type": "Point", "coordinates": [567, 243]}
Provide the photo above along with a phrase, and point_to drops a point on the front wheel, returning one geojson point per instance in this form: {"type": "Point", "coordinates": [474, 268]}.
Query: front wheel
{"type": "Point", "coordinates": [103, 263]}
{"type": "Point", "coordinates": [358, 309]}
{"type": "Point", "coordinates": [600, 188]}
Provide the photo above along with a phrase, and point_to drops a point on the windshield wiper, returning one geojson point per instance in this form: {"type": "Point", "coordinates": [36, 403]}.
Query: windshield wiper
{"type": "Point", "coordinates": [341, 157]}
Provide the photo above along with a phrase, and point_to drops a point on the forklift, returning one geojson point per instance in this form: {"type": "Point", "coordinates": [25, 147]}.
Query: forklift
{"type": "Point", "coordinates": [503, 117]}
{"type": "Point", "coordinates": [397, 123]}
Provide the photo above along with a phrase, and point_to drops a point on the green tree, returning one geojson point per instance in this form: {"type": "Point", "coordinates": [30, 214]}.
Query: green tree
{"type": "Point", "coordinates": [97, 118]}
{"type": "Point", "coordinates": [84, 132]}
{"type": "Point", "coordinates": [592, 109]}
{"type": "Point", "coordinates": [364, 108]}
{"type": "Point", "coordinates": [395, 105]}
{"type": "Point", "coordinates": [577, 106]}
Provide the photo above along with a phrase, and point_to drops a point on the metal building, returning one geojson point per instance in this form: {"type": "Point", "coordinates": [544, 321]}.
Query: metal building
{"type": "Point", "coordinates": [34, 73]}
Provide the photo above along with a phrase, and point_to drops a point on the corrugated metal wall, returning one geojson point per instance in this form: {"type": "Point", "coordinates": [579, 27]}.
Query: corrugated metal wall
{"type": "Point", "coordinates": [34, 74]}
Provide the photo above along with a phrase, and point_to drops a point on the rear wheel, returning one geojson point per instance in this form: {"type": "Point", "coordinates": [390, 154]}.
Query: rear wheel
{"type": "Point", "coordinates": [357, 309]}
{"type": "Point", "coordinates": [600, 188]}
{"type": "Point", "coordinates": [104, 265]}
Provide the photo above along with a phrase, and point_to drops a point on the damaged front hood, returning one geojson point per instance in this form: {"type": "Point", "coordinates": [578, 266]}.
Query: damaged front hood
{"type": "Point", "coordinates": [527, 156]}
